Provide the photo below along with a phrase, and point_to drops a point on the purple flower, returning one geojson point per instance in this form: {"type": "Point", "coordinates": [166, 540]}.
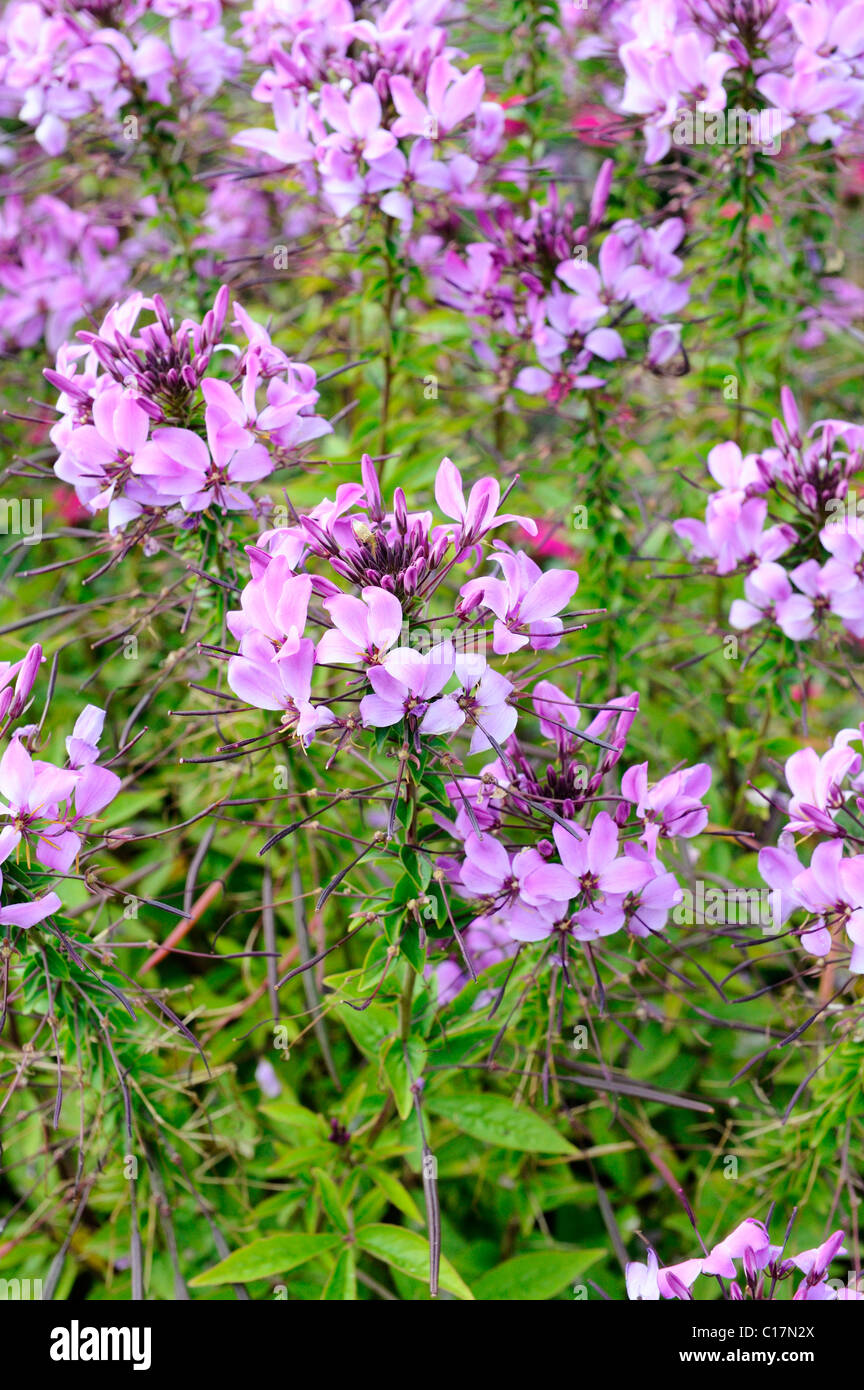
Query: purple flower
{"type": "Point", "coordinates": [405, 686]}
{"type": "Point", "coordinates": [364, 629]}
{"type": "Point", "coordinates": [833, 888]}
{"type": "Point", "coordinates": [641, 1279]}
{"type": "Point", "coordinates": [479, 514]}
{"type": "Point", "coordinates": [673, 806]}
{"type": "Point", "coordinates": [815, 784]}
{"type": "Point", "coordinates": [648, 1283]}
{"type": "Point", "coordinates": [98, 459]}
{"type": "Point", "coordinates": [525, 601]}
{"type": "Point", "coordinates": [733, 471]}
{"type": "Point", "coordinates": [836, 587]}
{"type": "Point", "coordinates": [274, 605]}
{"type": "Point", "coordinates": [32, 792]}
{"type": "Point", "coordinates": [82, 745]}
{"type": "Point", "coordinates": [357, 122]}
{"type": "Point", "coordinates": [617, 279]}
{"type": "Point", "coordinates": [780, 867]}
{"type": "Point", "coordinates": [268, 683]}
{"type": "Point", "coordinates": [559, 717]}
{"type": "Point", "coordinates": [534, 891]}
{"type": "Point", "coordinates": [599, 876]}
{"type": "Point", "coordinates": [482, 702]}
{"type": "Point", "coordinates": [35, 791]}
{"type": "Point", "coordinates": [647, 908]}
{"type": "Point", "coordinates": [814, 1263]}
{"type": "Point", "coordinates": [23, 673]}
{"type": "Point", "coordinates": [451, 98]}
{"type": "Point", "coordinates": [748, 1241]}
{"type": "Point", "coordinates": [30, 913]}
{"type": "Point", "coordinates": [770, 595]}
{"type": "Point", "coordinates": [486, 941]}
{"type": "Point", "coordinates": [732, 532]}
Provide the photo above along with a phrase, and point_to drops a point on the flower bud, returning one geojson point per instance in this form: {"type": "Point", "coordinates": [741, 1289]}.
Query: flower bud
{"type": "Point", "coordinates": [600, 195]}
{"type": "Point", "coordinates": [26, 678]}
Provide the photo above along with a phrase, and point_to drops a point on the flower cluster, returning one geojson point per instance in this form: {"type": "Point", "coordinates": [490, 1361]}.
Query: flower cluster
{"type": "Point", "coordinates": [808, 475]}
{"type": "Point", "coordinates": [148, 431]}
{"type": "Point", "coordinates": [369, 111]}
{"type": "Point", "coordinates": [827, 800]}
{"type": "Point", "coordinates": [805, 62]}
{"type": "Point", "coordinates": [45, 810]}
{"type": "Point", "coordinates": [581, 874]}
{"type": "Point", "coordinates": [764, 1270]}
{"type": "Point", "coordinates": [531, 281]}
{"type": "Point", "coordinates": [395, 562]}
{"type": "Point", "coordinates": [59, 64]}
{"type": "Point", "coordinates": [56, 263]}
{"type": "Point", "coordinates": [384, 661]}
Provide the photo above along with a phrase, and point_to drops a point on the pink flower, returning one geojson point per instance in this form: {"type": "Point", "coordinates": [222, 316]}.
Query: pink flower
{"type": "Point", "coordinates": [733, 471]}
{"type": "Point", "coordinates": [33, 791]}
{"type": "Point", "coordinates": [673, 806]}
{"type": "Point", "coordinates": [525, 601]}
{"type": "Point", "coordinates": [482, 701]}
{"type": "Point", "coordinates": [770, 595]}
{"type": "Point", "coordinates": [599, 875]}
{"type": "Point", "coordinates": [833, 888]}
{"type": "Point", "coordinates": [780, 867]}
{"type": "Point", "coordinates": [405, 685]}
{"type": "Point", "coordinates": [733, 532]}
{"type": "Point", "coordinates": [648, 1283]}
{"type": "Point", "coordinates": [298, 127]}
{"type": "Point", "coordinates": [30, 913]}
{"type": "Point", "coordinates": [271, 684]}
{"type": "Point", "coordinates": [559, 716]}
{"type": "Point", "coordinates": [364, 629]}
{"type": "Point", "coordinates": [534, 891]}
{"type": "Point", "coordinates": [451, 98]}
{"type": "Point", "coordinates": [750, 1240]}
{"type": "Point", "coordinates": [23, 673]}
{"type": "Point", "coordinates": [617, 280]}
{"type": "Point", "coordinates": [835, 587]}
{"type": "Point", "coordinates": [815, 784]}
{"type": "Point", "coordinates": [480, 514]}
{"type": "Point", "coordinates": [814, 1263]}
{"type": "Point", "coordinates": [641, 1279]}
{"type": "Point", "coordinates": [274, 605]}
{"type": "Point", "coordinates": [98, 459]}
{"type": "Point", "coordinates": [647, 908]}
{"type": "Point", "coordinates": [356, 122]}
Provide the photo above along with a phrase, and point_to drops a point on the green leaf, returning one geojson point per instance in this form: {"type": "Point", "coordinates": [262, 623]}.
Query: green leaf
{"type": "Point", "coordinates": [495, 1120]}
{"type": "Point", "coordinates": [409, 1253]}
{"type": "Point", "coordinates": [397, 1195]}
{"type": "Point", "coordinates": [399, 1076]}
{"type": "Point", "coordinates": [271, 1255]}
{"type": "Point", "coordinates": [331, 1200]}
{"type": "Point", "coordinates": [535, 1277]}
{"type": "Point", "coordinates": [341, 1287]}
{"type": "Point", "coordinates": [369, 1028]}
